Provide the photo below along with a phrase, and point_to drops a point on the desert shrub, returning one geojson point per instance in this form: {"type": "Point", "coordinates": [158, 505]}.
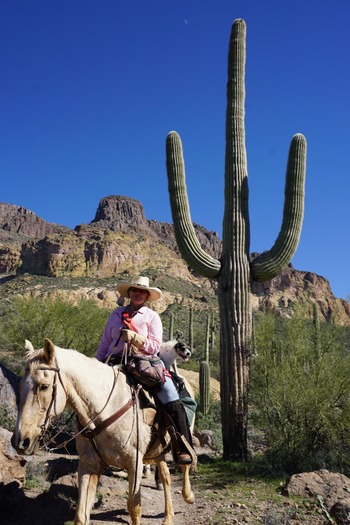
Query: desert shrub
{"type": "Point", "coordinates": [301, 393]}
{"type": "Point", "coordinates": [7, 420]}
{"type": "Point", "coordinates": [210, 421]}
{"type": "Point", "coordinates": [77, 326]}
{"type": "Point", "coordinates": [181, 330]}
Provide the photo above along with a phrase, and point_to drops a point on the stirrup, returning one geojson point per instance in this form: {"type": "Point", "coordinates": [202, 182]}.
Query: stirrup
{"type": "Point", "coordinates": [183, 459]}
{"type": "Point", "coordinates": [183, 453]}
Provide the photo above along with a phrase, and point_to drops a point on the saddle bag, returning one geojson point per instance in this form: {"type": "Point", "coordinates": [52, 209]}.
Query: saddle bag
{"type": "Point", "coordinates": [147, 370]}
{"type": "Point", "coordinates": [188, 402]}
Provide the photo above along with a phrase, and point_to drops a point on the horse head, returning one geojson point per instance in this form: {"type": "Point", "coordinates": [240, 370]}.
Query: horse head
{"type": "Point", "coordinates": [42, 396]}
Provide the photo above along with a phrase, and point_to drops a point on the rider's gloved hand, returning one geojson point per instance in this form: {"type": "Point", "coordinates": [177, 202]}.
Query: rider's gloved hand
{"type": "Point", "coordinates": [132, 337]}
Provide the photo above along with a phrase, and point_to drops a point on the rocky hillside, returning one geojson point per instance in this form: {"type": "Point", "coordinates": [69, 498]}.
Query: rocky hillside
{"type": "Point", "coordinates": [38, 257]}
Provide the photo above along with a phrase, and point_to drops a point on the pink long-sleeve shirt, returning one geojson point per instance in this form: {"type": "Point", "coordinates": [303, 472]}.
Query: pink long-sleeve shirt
{"type": "Point", "coordinates": [146, 321]}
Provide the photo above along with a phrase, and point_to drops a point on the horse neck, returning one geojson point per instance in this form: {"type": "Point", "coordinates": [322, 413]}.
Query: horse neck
{"type": "Point", "coordinates": [88, 385]}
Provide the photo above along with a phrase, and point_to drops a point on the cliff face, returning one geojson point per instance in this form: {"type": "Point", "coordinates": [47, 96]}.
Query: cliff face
{"type": "Point", "coordinates": [25, 223]}
{"type": "Point", "coordinates": [120, 241]}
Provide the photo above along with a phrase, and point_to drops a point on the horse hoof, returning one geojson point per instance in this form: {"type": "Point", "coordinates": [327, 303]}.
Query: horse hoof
{"type": "Point", "coordinates": [189, 499]}
{"type": "Point", "coordinates": [168, 521]}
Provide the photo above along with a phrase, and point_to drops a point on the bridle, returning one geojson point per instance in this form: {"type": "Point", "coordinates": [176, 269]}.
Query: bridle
{"type": "Point", "coordinates": [53, 397]}
{"type": "Point", "coordinates": [85, 431]}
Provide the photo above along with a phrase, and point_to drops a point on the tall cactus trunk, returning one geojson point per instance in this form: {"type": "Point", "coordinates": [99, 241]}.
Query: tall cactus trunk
{"type": "Point", "coordinates": [233, 270]}
{"type": "Point", "coordinates": [234, 280]}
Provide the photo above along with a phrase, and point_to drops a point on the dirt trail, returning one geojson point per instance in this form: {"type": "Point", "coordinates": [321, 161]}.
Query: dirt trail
{"type": "Point", "coordinates": [53, 502]}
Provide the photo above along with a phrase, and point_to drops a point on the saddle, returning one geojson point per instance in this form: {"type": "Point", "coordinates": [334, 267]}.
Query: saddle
{"type": "Point", "coordinates": [152, 410]}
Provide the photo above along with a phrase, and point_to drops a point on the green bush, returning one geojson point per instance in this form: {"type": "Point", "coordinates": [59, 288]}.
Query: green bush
{"type": "Point", "coordinates": [211, 420]}
{"type": "Point", "coordinates": [7, 420]}
{"type": "Point", "coordinates": [77, 326]}
{"type": "Point", "coordinates": [300, 392]}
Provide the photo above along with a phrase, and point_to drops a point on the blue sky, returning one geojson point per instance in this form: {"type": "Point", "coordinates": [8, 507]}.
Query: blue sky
{"type": "Point", "coordinates": [89, 91]}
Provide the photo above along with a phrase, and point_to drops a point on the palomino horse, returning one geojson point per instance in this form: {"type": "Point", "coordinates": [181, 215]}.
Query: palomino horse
{"type": "Point", "coordinates": [107, 407]}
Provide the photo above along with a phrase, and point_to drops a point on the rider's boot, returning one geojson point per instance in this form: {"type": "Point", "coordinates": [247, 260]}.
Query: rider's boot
{"type": "Point", "coordinates": [180, 433]}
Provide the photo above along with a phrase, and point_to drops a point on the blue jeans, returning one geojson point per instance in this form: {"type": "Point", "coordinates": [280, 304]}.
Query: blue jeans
{"type": "Point", "coordinates": [168, 392]}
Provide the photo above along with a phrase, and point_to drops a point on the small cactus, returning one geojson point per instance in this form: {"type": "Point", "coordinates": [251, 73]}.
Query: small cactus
{"type": "Point", "coordinates": [190, 330]}
{"type": "Point", "coordinates": [171, 327]}
{"type": "Point", "coordinates": [212, 334]}
{"type": "Point", "coordinates": [207, 340]}
{"type": "Point", "coordinates": [316, 324]}
{"type": "Point", "coordinates": [204, 387]}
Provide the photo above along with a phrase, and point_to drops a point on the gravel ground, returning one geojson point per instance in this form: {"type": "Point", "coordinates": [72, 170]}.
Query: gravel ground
{"type": "Point", "coordinates": [54, 503]}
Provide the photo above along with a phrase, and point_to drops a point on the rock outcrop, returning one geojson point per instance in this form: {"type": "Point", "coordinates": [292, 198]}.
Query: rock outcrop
{"type": "Point", "coordinates": [331, 488]}
{"type": "Point", "coordinates": [13, 467]}
{"type": "Point", "coordinates": [9, 391]}
{"type": "Point", "coordinates": [121, 241]}
{"type": "Point", "coordinates": [19, 220]}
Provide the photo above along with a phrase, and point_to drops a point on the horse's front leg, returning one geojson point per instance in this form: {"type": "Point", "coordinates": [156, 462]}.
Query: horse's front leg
{"type": "Point", "coordinates": [87, 491]}
{"type": "Point", "coordinates": [187, 493]}
{"type": "Point", "coordinates": [134, 497]}
{"type": "Point", "coordinates": [164, 476]}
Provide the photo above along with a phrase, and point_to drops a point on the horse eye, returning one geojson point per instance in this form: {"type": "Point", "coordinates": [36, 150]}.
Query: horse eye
{"type": "Point", "coordinates": [43, 387]}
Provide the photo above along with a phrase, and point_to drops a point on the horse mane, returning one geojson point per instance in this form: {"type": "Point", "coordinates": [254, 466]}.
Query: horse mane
{"type": "Point", "coordinates": [34, 358]}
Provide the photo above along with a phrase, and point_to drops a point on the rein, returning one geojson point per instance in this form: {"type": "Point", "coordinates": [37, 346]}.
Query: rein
{"type": "Point", "coordinates": [54, 394]}
{"type": "Point", "coordinates": [88, 433]}
{"type": "Point", "coordinates": [53, 398]}
{"type": "Point", "coordinates": [91, 433]}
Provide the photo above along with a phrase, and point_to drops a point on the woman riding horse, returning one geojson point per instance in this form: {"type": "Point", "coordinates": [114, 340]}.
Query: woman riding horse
{"type": "Point", "coordinates": [140, 328]}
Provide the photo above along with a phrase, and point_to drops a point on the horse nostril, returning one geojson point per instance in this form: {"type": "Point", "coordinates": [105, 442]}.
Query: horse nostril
{"type": "Point", "coordinates": [24, 444]}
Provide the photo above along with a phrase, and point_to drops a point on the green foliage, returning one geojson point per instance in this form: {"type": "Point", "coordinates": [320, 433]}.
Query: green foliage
{"type": "Point", "coordinates": [181, 330]}
{"type": "Point", "coordinates": [68, 326]}
{"type": "Point", "coordinates": [210, 420]}
{"type": "Point", "coordinates": [6, 419]}
{"type": "Point", "coordinates": [300, 391]}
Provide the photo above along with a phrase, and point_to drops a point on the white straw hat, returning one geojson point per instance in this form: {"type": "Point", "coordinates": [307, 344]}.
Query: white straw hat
{"type": "Point", "coordinates": [143, 284]}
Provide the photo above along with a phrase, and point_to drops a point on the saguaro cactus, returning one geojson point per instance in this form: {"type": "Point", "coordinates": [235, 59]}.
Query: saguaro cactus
{"type": "Point", "coordinates": [207, 340]}
{"type": "Point", "coordinates": [234, 271]}
{"type": "Point", "coordinates": [204, 387]}
{"type": "Point", "coordinates": [190, 330]}
{"type": "Point", "coordinates": [171, 326]}
{"type": "Point", "coordinates": [212, 334]}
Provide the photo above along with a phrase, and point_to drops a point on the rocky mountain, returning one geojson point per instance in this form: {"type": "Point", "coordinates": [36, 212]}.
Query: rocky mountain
{"type": "Point", "coordinates": [120, 241]}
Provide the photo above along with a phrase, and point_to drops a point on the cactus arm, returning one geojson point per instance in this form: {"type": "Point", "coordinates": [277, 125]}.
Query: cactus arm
{"type": "Point", "coordinates": [269, 264]}
{"type": "Point", "coordinates": [186, 238]}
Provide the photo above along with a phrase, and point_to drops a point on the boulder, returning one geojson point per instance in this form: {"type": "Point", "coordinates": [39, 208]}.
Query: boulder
{"type": "Point", "coordinates": [332, 488]}
{"type": "Point", "coordinates": [12, 466]}
{"type": "Point", "coordinates": [9, 392]}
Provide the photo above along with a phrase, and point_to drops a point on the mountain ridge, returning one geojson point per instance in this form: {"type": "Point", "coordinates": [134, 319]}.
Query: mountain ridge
{"type": "Point", "coordinates": [120, 242]}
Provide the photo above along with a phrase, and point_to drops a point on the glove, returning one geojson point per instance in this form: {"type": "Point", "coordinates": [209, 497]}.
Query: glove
{"type": "Point", "coordinates": [132, 337]}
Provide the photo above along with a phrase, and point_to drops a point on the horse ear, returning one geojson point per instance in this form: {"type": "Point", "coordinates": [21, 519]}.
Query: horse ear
{"type": "Point", "coordinates": [49, 351]}
{"type": "Point", "coordinates": [28, 347]}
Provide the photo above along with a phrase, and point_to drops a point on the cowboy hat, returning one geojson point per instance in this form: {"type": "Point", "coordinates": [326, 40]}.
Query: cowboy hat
{"type": "Point", "coordinates": [139, 282]}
